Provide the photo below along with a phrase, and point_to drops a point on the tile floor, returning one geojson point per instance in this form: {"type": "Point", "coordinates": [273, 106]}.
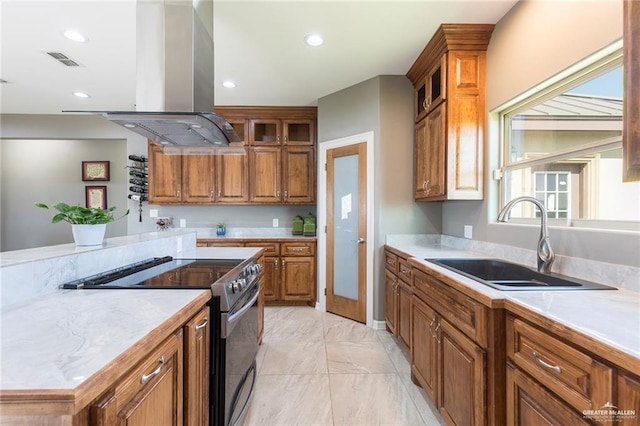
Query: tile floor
{"type": "Point", "coordinates": [316, 368]}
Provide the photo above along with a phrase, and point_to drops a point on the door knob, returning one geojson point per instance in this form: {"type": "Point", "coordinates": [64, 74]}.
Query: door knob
{"type": "Point", "coordinates": [361, 241]}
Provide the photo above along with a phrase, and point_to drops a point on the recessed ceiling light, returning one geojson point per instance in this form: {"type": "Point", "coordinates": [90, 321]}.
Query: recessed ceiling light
{"type": "Point", "coordinates": [314, 40]}
{"type": "Point", "coordinates": [74, 35]}
{"type": "Point", "coordinates": [81, 95]}
{"type": "Point", "coordinates": [228, 84]}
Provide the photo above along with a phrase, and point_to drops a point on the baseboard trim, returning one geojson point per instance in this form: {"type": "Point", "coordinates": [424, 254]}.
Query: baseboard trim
{"type": "Point", "coordinates": [379, 325]}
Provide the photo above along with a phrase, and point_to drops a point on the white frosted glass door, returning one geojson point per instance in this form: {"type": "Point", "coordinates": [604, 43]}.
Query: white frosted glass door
{"type": "Point", "coordinates": [346, 231]}
{"type": "Point", "coordinates": [345, 227]}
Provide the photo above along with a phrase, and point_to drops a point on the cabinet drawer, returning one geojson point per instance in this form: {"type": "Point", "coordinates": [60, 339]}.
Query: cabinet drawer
{"type": "Point", "coordinates": [460, 310]}
{"type": "Point", "coordinates": [298, 249]}
{"type": "Point", "coordinates": [391, 261]}
{"type": "Point", "coordinates": [404, 270]}
{"type": "Point", "coordinates": [270, 248]}
{"type": "Point", "coordinates": [573, 375]}
{"type": "Point", "coordinates": [225, 244]}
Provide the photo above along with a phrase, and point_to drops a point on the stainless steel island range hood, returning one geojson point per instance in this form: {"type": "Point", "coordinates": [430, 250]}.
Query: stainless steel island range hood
{"type": "Point", "coordinates": [174, 76]}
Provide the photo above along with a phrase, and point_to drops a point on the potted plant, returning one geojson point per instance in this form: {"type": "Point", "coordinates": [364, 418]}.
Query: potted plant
{"type": "Point", "coordinates": [220, 229]}
{"type": "Point", "coordinates": [88, 224]}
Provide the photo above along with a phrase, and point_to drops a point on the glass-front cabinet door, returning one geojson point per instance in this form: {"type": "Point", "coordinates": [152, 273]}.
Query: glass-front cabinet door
{"type": "Point", "coordinates": [266, 132]}
{"type": "Point", "coordinates": [298, 132]}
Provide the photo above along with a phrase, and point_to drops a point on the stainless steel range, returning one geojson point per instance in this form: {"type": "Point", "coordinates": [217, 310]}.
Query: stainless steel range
{"type": "Point", "coordinates": [234, 308]}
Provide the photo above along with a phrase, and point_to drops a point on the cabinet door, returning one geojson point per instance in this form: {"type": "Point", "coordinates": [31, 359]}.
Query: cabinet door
{"type": "Point", "coordinates": [631, 130]}
{"type": "Point", "coordinates": [424, 348]}
{"type": "Point", "coordinates": [463, 379]}
{"type": "Point", "coordinates": [299, 175]}
{"type": "Point", "coordinates": [429, 151]}
{"type": "Point", "coordinates": [196, 374]}
{"type": "Point", "coordinates": [233, 178]}
{"type": "Point", "coordinates": [404, 313]}
{"type": "Point", "coordinates": [390, 301]}
{"type": "Point", "coordinates": [265, 132]}
{"type": "Point", "coordinates": [530, 404]}
{"type": "Point", "coordinates": [629, 398]}
{"type": "Point", "coordinates": [165, 176]}
{"type": "Point", "coordinates": [198, 178]}
{"type": "Point", "coordinates": [265, 175]}
{"type": "Point", "coordinates": [271, 278]}
{"type": "Point", "coordinates": [298, 278]}
{"type": "Point", "coordinates": [299, 132]}
{"type": "Point", "coordinates": [431, 90]}
{"type": "Point", "coordinates": [435, 138]}
{"type": "Point", "coordinates": [151, 394]}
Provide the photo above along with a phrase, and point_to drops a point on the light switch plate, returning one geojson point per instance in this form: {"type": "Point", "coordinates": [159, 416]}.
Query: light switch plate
{"type": "Point", "coordinates": [153, 213]}
{"type": "Point", "coordinates": [183, 223]}
{"type": "Point", "coordinates": [276, 222]}
{"type": "Point", "coordinates": [468, 231]}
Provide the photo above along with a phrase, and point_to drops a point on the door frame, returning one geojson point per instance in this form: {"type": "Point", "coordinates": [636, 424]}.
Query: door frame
{"type": "Point", "coordinates": [368, 139]}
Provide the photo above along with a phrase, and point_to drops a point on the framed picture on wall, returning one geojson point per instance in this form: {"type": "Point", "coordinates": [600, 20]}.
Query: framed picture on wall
{"type": "Point", "coordinates": [95, 170]}
{"type": "Point", "coordinates": [95, 197]}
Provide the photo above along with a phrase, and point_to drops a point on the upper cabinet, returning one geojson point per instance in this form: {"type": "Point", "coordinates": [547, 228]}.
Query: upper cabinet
{"type": "Point", "coordinates": [449, 101]}
{"type": "Point", "coordinates": [631, 133]}
{"type": "Point", "coordinates": [275, 162]}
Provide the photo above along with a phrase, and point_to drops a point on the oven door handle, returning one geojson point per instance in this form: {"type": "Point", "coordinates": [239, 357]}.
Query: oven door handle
{"type": "Point", "coordinates": [229, 321]}
{"type": "Point", "coordinates": [243, 412]}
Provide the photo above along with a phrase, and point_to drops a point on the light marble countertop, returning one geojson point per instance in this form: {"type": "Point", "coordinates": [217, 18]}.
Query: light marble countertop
{"type": "Point", "coordinates": [608, 316]}
{"type": "Point", "coordinates": [60, 340]}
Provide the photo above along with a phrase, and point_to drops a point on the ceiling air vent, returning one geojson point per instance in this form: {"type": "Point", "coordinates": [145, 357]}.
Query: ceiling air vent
{"type": "Point", "coordinates": [63, 59]}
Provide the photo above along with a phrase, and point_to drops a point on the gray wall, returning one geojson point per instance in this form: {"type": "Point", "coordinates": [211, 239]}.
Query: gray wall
{"type": "Point", "coordinates": [50, 147]}
{"type": "Point", "coordinates": [533, 42]}
{"type": "Point", "coordinates": [384, 105]}
{"type": "Point", "coordinates": [49, 171]}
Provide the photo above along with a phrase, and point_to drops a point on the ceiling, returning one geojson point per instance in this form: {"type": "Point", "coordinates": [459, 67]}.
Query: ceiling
{"type": "Point", "coordinates": [258, 44]}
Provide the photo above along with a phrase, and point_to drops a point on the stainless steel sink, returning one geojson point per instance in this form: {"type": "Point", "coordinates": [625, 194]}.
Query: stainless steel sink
{"type": "Point", "coordinates": [509, 276]}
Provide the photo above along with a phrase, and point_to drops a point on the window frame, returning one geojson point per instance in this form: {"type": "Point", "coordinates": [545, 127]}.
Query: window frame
{"type": "Point", "coordinates": [597, 64]}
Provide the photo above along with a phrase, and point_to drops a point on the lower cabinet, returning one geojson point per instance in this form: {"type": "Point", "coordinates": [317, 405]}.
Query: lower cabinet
{"type": "Point", "coordinates": [552, 381]}
{"type": "Point", "coordinates": [151, 394]}
{"type": "Point", "coordinates": [196, 366]}
{"type": "Point", "coordinates": [169, 386]}
{"type": "Point", "coordinates": [455, 352]}
{"type": "Point", "coordinates": [289, 268]}
{"type": "Point", "coordinates": [398, 292]}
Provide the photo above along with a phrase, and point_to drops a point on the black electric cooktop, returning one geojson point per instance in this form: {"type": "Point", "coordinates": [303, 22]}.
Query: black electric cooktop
{"type": "Point", "coordinates": [160, 272]}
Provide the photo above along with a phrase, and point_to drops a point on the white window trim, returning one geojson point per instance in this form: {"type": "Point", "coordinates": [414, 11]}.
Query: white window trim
{"type": "Point", "coordinates": [602, 61]}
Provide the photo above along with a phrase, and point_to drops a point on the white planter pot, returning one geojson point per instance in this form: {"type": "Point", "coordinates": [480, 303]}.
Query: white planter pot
{"type": "Point", "coordinates": [89, 235]}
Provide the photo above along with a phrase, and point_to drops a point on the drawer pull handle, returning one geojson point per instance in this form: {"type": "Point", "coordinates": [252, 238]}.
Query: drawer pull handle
{"type": "Point", "coordinates": [146, 377]}
{"type": "Point", "coordinates": [540, 361]}
{"type": "Point", "coordinates": [431, 328]}
{"type": "Point", "coordinates": [203, 325]}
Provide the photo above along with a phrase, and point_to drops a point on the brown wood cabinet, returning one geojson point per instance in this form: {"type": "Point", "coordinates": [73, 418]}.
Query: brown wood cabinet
{"type": "Point", "coordinates": [279, 166]}
{"type": "Point", "coordinates": [449, 82]}
{"type": "Point", "coordinates": [233, 178]}
{"type": "Point", "coordinates": [454, 344]}
{"type": "Point", "coordinates": [282, 163]}
{"type": "Point", "coordinates": [150, 394]}
{"type": "Point", "coordinates": [552, 379]}
{"type": "Point", "coordinates": [181, 175]}
{"type": "Point", "coordinates": [197, 368]}
{"type": "Point", "coordinates": [631, 55]}
{"type": "Point", "coordinates": [398, 292]}
{"type": "Point", "coordinates": [289, 269]}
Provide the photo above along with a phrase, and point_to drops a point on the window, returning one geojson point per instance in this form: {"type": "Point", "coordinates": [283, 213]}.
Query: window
{"type": "Point", "coordinates": [562, 143]}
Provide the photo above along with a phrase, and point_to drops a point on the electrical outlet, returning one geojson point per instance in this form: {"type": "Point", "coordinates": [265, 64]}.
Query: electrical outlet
{"type": "Point", "coordinates": [468, 231]}
{"type": "Point", "coordinates": [153, 213]}
{"type": "Point", "coordinates": [183, 223]}
{"type": "Point", "coordinates": [276, 222]}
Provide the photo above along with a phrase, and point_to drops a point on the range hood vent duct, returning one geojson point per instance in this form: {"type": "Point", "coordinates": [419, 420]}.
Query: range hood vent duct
{"type": "Point", "coordinates": [174, 76]}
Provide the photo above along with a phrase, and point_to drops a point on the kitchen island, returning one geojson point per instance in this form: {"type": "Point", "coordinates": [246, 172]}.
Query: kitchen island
{"type": "Point", "coordinates": [62, 349]}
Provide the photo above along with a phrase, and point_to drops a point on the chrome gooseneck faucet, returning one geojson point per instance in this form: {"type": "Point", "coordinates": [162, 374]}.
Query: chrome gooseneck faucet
{"type": "Point", "coordinates": [545, 253]}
